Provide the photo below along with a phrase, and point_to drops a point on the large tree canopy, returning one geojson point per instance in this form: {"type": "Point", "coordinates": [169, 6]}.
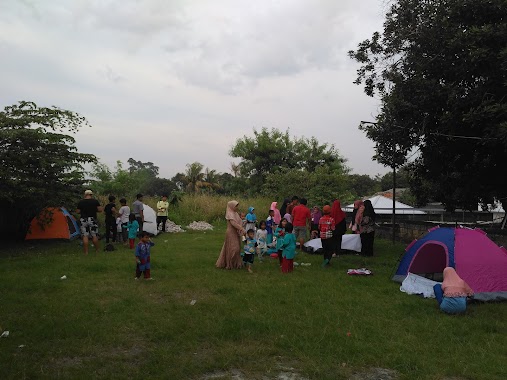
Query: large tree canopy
{"type": "Point", "coordinates": [440, 71]}
{"type": "Point", "coordinates": [269, 151]}
{"type": "Point", "coordinates": [39, 166]}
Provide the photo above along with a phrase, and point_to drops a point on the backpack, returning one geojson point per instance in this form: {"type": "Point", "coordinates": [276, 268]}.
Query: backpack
{"type": "Point", "coordinates": [109, 248]}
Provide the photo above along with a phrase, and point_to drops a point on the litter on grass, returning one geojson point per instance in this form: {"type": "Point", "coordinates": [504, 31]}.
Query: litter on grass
{"type": "Point", "coordinates": [200, 226]}
{"type": "Point", "coordinates": [64, 277]}
{"type": "Point", "coordinates": [192, 303]}
{"type": "Point", "coordinates": [360, 272]}
{"type": "Point", "coordinates": [5, 334]}
{"type": "Point", "coordinates": [170, 226]}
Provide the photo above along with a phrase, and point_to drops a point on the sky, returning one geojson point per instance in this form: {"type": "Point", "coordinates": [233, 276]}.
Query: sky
{"type": "Point", "coordinates": [174, 82]}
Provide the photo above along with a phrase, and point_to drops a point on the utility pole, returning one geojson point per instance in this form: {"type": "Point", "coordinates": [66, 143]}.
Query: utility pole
{"type": "Point", "coordinates": [394, 203]}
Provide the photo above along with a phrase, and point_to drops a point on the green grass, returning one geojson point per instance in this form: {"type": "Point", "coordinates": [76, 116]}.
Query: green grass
{"type": "Point", "coordinates": [100, 323]}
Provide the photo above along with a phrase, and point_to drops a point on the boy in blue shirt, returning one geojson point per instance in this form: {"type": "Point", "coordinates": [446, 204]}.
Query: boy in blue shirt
{"type": "Point", "coordinates": [248, 253]}
{"type": "Point", "coordinates": [143, 256]}
{"type": "Point", "coordinates": [288, 249]}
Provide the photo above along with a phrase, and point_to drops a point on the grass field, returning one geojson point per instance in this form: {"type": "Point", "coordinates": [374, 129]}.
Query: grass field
{"type": "Point", "coordinates": [315, 323]}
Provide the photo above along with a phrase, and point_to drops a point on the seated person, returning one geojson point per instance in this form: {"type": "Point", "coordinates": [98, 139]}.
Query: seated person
{"type": "Point", "coordinates": [452, 293]}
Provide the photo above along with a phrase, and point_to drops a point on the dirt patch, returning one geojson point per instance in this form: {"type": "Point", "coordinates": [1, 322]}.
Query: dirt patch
{"type": "Point", "coordinates": [236, 374]}
{"type": "Point", "coordinates": [375, 374]}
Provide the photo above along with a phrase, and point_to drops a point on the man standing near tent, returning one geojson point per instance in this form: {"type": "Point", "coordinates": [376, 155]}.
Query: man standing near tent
{"type": "Point", "coordinates": [88, 207]}
{"type": "Point", "coordinates": [137, 209]}
{"type": "Point", "coordinates": [162, 211]}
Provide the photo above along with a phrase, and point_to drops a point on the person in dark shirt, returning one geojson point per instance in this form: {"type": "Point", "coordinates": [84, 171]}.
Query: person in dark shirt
{"type": "Point", "coordinates": [88, 207]}
{"type": "Point", "coordinates": [110, 212]}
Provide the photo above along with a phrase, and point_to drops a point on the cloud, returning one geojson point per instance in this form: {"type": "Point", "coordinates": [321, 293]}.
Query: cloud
{"type": "Point", "coordinates": [184, 79]}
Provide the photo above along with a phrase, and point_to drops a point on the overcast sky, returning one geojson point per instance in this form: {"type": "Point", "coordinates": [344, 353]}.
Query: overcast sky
{"type": "Point", "coordinates": [175, 82]}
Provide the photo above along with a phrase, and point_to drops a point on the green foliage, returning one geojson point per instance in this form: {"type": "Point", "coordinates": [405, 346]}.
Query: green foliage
{"type": "Point", "coordinates": [402, 179]}
{"type": "Point", "coordinates": [362, 185]}
{"type": "Point", "coordinates": [271, 150]}
{"type": "Point", "coordinates": [139, 178]}
{"type": "Point", "coordinates": [39, 165]}
{"type": "Point", "coordinates": [439, 69]}
{"type": "Point", "coordinates": [319, 187]}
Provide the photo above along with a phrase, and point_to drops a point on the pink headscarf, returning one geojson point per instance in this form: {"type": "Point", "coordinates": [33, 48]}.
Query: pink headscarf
{"type": "Point", "coordinates": [454, 286]}
{"type": "Point", "coordinates": [277, 216]}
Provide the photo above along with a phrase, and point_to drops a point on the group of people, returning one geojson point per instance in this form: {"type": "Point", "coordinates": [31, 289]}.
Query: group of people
{"type": "Point", "coordinates": [330, 225]}
{"type": "Point", "coordinates": [288, 225]}
{"type": "Point", "coordinates": [122, 225]}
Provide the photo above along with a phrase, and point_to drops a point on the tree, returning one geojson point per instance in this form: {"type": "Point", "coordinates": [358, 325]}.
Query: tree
{"type": "Point", "coordinates": [270, 151]}
{"type": "Point", "coordinates": [194, 176]}
{"type": "Point", "coordinates": [439, 70]}
{"type": "Point", "coordinates": [363, 185]}
{"type": "Point", "coordinates": [402, 179]}
{"type": "Point", "coordinates": [39, 165]}
{"type": "Point", "coordinates": [136, 166]}
{"type": "Point", "coordinates": [127, 183]}
{"type": "Point", "coordinates": [320, 187]}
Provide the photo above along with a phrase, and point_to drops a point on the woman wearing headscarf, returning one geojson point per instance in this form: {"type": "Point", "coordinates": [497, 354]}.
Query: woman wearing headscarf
{"type": "Point", "coordinates": [277, 217]}
{"type": "Point", "coordinates": [354, 223]}
{"type": "Point", "coordinates": [452, 293]}
{"type": "Point", "coordinates": [340, 226]}
{"type": "Point", "coordinates": [367, 227]}
{"type": "Point", "coordinates": [230, 256]}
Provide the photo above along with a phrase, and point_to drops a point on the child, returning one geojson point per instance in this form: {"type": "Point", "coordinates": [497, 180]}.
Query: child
{"type": "Point", "coordinates": [119, 230]}
{"type": "Point", "coordinates": [248, 253]}
{"type": "Point", "coordinates": [143, 256]}
{"type": "Point", "coordinates": [132, 227]}
{"type": "Point", "coordinates": [316, 215]}
{"type": "Point", "coordinates": [270, 225]}
{"type": "Point", "coordinates": [288, 217]}
{"type": "Point", "coordinates": [326, 228]}
{"type": "Point", "coordinates": [261, 238]}
{"type": "Point", "coordinates": [289, 249]}
{"type": "Point", "coordinates": [251, 219]}
{"type": "Point", "coordinates": [279, 234]}
{"type": "Point", "coordinates": [124, 213]}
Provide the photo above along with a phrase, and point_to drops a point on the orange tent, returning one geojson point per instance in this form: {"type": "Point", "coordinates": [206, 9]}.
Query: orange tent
{"type": "Point", "coordinates": [53, 223]}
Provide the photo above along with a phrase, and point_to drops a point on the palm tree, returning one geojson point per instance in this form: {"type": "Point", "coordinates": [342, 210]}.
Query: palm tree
{"type": "Point", "coordinates": [210, 180]}
{"type": "Point", "coordinates": [194, 176]}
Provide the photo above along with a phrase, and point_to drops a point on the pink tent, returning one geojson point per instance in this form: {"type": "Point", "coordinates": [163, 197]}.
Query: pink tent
{"type": "Point", "coordinates": [477, 260]}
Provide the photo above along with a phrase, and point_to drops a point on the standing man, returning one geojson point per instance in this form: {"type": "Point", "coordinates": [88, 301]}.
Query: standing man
{"type": "Point", "coordinates": [294, 202]}
{"type": "Point", "coordinates": [88, 208]}
{"type": "Point", "coordinates": [110, 211]}
{"type": "Point", "coordinates": [162, 211]}
{"type": "Point", "coordinates": [301, 218]}
{"type": "Point", "coordinates": [137, 209]}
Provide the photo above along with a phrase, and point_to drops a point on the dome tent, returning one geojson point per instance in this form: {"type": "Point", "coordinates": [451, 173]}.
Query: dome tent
{"type": "Point", "coordinates": [53, 223]}
{"type": "Point", "coordinates": [476, 259]}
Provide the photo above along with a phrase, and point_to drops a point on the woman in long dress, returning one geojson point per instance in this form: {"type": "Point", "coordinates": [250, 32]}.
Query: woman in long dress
{"type": "Point", "coordinates": [230, 256]}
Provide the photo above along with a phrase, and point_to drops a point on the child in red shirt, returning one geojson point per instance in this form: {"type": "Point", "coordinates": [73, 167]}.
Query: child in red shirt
{"type": "Point", "coordinates": [326, 228]}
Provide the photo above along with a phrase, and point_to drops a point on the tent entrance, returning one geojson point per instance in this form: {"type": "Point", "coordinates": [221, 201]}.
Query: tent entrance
{"type": "Point", "coordinates": [430, 260]}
